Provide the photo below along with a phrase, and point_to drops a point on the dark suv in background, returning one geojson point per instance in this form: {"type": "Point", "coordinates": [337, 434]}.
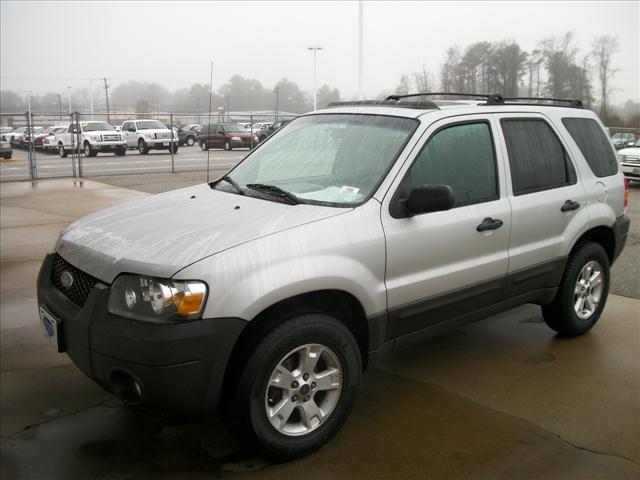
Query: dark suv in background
{"type": "Point", "coordinates": [271, 129]}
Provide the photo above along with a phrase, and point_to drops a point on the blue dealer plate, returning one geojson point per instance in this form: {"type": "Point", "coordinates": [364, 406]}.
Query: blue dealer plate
{"type": "Point", "coordinates": [50, 327]}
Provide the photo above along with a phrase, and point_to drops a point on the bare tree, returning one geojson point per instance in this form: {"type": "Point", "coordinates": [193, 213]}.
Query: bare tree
{"type": "Point", "coordinates": [404, 85]}
{"type": "Point", "coordinates": [424, 80]}
{"type": "Point", "coordinates": [558, 53]}
{"type": "Point", "coordinates": [603, 50]}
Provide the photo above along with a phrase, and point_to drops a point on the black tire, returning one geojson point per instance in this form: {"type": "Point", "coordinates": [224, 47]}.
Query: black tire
{"type": "Point", "coordinates": [173, 148]}
{"type": "Point", "coordinates": [561, 314]}
{"type": "Point", "coordinates": [88, 151]}
{"type": "Point", "coordinates": [190, 141]}
{"type": "Point", "coordinates": [121, 151]}
{"type": "Point", "coordinates": [143, 148]}
{"type": "Point", "coordinates": [62, 152]}
{"type": "Point", "coordinates": [246, 398]}
{"type": "Point", "coordinates": [227, 146]}
{"type": "Point", "coordinates": [203, 145]}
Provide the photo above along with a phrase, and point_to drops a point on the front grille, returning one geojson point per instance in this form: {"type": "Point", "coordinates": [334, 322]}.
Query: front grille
{"type": "Point", "coordinates": [109, 138]}
{"type": "Point", "coordinates": [163, 135]}
{"type": "Point", "coordinates": [82, 282]}
{"type": "Point", "coordinates": [629, 159]}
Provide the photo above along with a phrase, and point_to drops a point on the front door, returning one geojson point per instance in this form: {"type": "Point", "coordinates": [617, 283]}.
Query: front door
{"type": "Point", "coordinates": [441, 265]}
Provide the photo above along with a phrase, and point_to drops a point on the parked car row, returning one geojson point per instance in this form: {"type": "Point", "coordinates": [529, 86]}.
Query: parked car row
{"type": "Point", "coordinates": [93, 137]}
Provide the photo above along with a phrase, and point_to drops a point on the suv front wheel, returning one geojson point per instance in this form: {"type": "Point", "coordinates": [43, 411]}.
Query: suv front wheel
{"type": "Point", "coordinates": [297, 387]}
{"type": "Point", "coordinates": [583, 292]}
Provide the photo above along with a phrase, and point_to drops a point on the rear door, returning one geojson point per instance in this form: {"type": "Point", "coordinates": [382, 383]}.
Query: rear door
{"type": "Point", "coordinates": [547, 200]}
{"type": "Point", "coordinates": [441, 265]}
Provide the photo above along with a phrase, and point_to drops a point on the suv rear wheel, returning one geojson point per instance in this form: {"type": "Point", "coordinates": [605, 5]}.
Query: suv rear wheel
{"type": "Point", "coordinates": [62, 152]}
{"type": "Point", "coordinates": [297, 387]}
{"type": "Point", "coordinates": [190, 141]}
{"type": "Point", "coordinates": [583, 292]}
{"type": "Point", "coordinates": [203, 145]}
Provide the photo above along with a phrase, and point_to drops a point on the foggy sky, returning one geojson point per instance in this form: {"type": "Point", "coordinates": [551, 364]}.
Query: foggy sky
{"type": "Point", "coordinates": [173, 43]}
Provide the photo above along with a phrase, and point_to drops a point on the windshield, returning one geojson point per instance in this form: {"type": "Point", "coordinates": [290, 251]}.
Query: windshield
{"type": "Point", "coordinates": [150, 125]}
{"type": "Point", "coordinates": [96, 127]}
{"type": "Point", "coordinates": [234, 127]}
{"type": "Point", "coordinates": [332, 159]}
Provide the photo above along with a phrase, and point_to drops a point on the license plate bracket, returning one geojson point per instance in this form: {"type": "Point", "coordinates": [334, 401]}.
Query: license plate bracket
{"type": "Point", "coordinates": [51, 328]}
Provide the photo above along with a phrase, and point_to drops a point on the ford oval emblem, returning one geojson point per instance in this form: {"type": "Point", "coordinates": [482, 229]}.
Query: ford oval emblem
{"type": "Point", "coordinates": [66, 279]}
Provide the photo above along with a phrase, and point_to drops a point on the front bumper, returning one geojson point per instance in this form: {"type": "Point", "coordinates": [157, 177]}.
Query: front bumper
{"type": "Point", "coordinates": [160, 142]}
{"type": "Point", "coordinates": [179, 367]}
{"type": "Point", "coordinates": [111, 146]}
{"type": "Point", "coordinates": [631, 171]}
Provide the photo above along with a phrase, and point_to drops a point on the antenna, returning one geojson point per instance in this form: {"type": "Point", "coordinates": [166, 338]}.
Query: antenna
{"type": "Point", "coordinates": [209, 115]}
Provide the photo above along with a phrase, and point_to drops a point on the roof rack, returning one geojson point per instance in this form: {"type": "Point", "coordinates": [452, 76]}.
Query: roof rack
{"type": "Point", "coordinates": [550, 102]}
{"type": "Point", "coordinates": [497, 99]}
{"type": "Point", "coordinates": [437, 94]}
{"type": "Point", "coordinates": [386, 103]}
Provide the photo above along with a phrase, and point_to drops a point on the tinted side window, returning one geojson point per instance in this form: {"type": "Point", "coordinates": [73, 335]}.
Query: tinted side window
{"type": "Point", "coordinates": [536, 156]}
{"type": "Point", "coordinates": [461, 156]}
{"type": "Point", "coordinates": [594, 145]}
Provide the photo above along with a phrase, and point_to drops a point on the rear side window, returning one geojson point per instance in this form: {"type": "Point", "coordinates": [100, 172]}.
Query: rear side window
{"type": "Point", "coordinates": [461, 156]}
{"type": "Point", "coordinates": [537, 159]}
{"type": "Point", "coordinates": [594, 145]}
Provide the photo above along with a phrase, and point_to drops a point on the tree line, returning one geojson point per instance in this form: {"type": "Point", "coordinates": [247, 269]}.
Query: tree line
{"type": "Point", "coordinates": [237, 94]}
{"type": "Point", "coordinates": [556, 68]}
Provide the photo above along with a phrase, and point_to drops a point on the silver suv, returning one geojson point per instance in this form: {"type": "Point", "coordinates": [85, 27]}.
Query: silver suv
{"type": "Point", "coordinates": [353, 230]}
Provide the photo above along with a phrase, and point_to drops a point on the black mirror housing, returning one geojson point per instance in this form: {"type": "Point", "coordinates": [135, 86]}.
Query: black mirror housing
{"type": "Point", "coordinates": [429, 198]}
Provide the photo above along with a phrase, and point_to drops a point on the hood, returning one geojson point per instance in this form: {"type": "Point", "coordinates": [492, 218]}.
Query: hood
{"type": "Point", "coordinates": [164, 233]}
{"type": "Point", "coordinates": [630, 151]}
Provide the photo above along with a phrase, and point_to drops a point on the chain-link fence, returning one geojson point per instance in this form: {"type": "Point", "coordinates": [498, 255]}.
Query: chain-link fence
{"type": "Point", "coordinates": [46, 145]}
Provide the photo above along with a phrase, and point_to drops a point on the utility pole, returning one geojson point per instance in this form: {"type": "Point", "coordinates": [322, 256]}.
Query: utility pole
{"type": "Point", "coordinates": [315, 49]}
{"type": "Point", "coordinates": [59, 105]}
{"type": "Point", "coordinates": [227, 97]}
{"type": "Point", "coordinates": [91, 95]}
{"type": "Point", "coordinates": [69, 98]}
{"type": "Point", "coordinates": [106, 95]}
{"type": "Point", "coordinates": [277, 90]}
{"type": "Point", "coordinates": [360, 50]}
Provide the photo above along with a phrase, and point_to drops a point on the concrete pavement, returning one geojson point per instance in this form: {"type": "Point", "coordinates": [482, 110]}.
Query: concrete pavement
{"type": "Point", "coordinates": [503, 398]}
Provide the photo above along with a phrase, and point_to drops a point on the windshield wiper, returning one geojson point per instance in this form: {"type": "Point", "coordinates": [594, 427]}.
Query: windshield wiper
{"type": "Point", "coordinates": [275, 191]}
{"type": "Point", "coordinates": [231, 181]}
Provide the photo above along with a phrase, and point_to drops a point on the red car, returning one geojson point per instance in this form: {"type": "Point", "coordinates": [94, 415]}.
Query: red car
{"type": "Point", "coordinates": [225, 135]}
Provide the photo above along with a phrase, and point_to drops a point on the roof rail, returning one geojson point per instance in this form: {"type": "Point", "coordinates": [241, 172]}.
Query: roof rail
{"type": "Point", "coordinates": [551, 102]}
{"type": "Point", "coordinates": [438, 94]}
{"type": "Point", "coordinates": [386, 103]}
{"type": "Point", "coordinates": [497, 99]}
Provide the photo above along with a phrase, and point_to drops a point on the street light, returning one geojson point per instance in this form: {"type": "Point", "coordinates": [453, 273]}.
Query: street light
{"type": "Point", "coordinates": [315, 49]}
{"type": "Point", "coordinates": [59, 105]}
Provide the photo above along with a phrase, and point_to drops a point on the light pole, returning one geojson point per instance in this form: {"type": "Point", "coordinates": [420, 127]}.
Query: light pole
{"type": "Point", "coordinates": [69, 97]}
{"type": "Point", "coordinates": [91, 95]}
{"type": "Point", "coordinates": [59, 105]}
{"type": "Point", "coordinates": [277, 92]}
{"type": "Point", "coordinates": [315, 49]}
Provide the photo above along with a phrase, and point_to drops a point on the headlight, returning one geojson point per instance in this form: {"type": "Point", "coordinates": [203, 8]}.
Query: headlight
{"type": "Point", "coordinates": [236, 139]}
{"type": "Point", "coordinates": [623, 158]}
{"type": "Point", "coordinates": [156, 299]}
{"type": "Point", "coordinates": [94, 138]}
{"type": "Point", "coordinates": [148, 135]}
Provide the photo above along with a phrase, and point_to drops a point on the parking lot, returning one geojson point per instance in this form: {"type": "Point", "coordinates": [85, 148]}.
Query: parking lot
{"type": "Point", "coordinates": [503, 398]}
{"type": "Point", "coordinates": [51, 165]}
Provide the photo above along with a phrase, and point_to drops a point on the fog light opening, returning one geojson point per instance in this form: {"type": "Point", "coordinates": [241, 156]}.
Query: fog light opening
{"type": "Point", "coordinates": [125, 387]}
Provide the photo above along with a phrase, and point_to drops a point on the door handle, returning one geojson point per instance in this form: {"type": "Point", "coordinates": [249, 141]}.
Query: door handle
{"type": "Point", "coordinates": [489, 224]}
{"type": "Point", "coordinates": [569, 205]}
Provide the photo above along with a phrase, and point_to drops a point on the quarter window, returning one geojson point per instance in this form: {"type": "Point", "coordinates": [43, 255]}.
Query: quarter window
{"type": "Point", "coordinates": [537, 158]}
{"type": "Point", "coordinates": [461, 156]}
{"type": "Point", "coordinates": [594, 145]}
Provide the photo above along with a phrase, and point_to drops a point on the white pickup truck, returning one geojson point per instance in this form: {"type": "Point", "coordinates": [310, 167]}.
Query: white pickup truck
{"type": "Point", "coordinates": [148, 135]}
{"type": "Point", "coordinates": [94, 137]}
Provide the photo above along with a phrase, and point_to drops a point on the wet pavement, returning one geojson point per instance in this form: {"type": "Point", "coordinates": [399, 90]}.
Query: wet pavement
{"type": "Point", "coordinates": [502, 398]}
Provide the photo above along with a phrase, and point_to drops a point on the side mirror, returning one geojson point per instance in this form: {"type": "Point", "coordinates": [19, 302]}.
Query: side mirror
{"type": "Point", "coordinates": [429, 198]}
